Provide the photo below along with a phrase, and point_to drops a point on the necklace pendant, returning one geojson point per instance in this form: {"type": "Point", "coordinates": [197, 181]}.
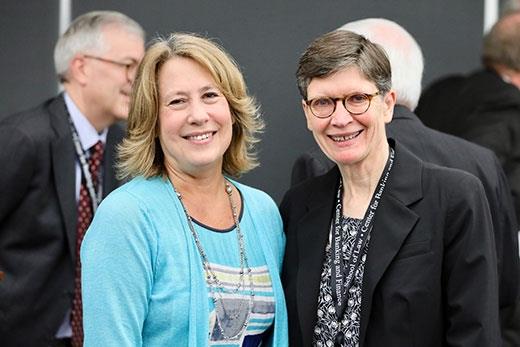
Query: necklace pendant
{"type": "Point", "coordinates": [233, 320]}
{"type": "Point", "coordinates": [229, 189]}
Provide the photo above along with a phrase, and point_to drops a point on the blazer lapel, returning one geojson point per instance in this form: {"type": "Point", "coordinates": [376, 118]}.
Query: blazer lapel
{"type": "Point", "coordinates": [312, 240]}
{"type": "Point", "coordinates": [63, 162]}
{"type": "Point", "coordinates": [392, 224]}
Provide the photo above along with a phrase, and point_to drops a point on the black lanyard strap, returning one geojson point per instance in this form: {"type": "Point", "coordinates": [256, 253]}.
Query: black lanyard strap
{"type": "Point", "coordinates": [342, 275]}
{"type": "Point", "coordinates": [95, 196]}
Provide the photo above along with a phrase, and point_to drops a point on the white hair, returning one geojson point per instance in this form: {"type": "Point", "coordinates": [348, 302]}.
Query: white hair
{"type": "Point", "coordinates": [405, 55]}
{"type": "Point", "coordinates": [85, 35]}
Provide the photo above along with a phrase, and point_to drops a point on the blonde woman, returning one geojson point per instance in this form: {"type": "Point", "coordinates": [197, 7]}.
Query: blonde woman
{"type": "Point", "coordinates": [184, 255]}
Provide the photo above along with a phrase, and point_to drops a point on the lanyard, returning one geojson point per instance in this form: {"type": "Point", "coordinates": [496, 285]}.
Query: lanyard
{"type": "Point", "coordinates": [342, 275]}
{"type": "Point", "coordinates": [95, 196]}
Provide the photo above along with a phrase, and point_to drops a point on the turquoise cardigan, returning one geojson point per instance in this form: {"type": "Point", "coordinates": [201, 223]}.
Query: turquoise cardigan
{"type": "Point", "coordinates": [142, 277]}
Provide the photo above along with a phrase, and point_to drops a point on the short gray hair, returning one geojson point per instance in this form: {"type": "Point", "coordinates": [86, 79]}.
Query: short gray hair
{"type": "Point", "coordinates": [405, 55]}
{"type": "Point", "coordinates": [341, 49]}
{"type": "Point", "coordinates": [84, 35]}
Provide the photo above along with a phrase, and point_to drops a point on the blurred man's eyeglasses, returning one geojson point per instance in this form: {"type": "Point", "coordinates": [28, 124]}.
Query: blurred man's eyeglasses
{"type": "Point", "coordinates": [130, 68]}
{"type": "Point", "coordinates": [355, 104]}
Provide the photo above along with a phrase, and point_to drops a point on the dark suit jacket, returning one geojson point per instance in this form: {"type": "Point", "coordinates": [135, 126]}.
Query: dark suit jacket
{"type": "Point", "coordinates": [446, 150]}
{"type": "Point", "coordinates": [483, 109]}
{"type": "Point", "coordinates": [430, 277]}
{"type": "Point", "coordinates": [38, 221]}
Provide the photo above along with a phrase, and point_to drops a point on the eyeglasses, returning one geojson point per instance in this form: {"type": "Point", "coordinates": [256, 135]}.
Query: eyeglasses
{"type": "Point", "coordinates": [355, 104]}
{"type": "Point", "coordinates": [130, 68]}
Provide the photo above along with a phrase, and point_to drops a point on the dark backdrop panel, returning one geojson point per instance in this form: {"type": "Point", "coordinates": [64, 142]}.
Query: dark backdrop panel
{"type": "Point", "coordinates": [28, 30]}
{"type": "Point", "coordinates": [267, 37]}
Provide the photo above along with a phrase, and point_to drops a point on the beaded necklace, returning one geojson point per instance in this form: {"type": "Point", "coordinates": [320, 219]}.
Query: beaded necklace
{"type": "Point", "coordinates": [216, 287]}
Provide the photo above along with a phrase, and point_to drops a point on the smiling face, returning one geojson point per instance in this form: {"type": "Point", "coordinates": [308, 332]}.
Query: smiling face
{"type": "Point", "coordinates": [344, 138]}
{"type": "Point", "coordinates": [195, 122]}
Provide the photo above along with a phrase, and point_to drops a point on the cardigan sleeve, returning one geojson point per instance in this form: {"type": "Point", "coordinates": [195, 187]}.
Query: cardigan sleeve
{"type": "Point", "coordinates": [272, 240]}
{"type": "Point", "coordinates": [265, 212]}
{"type": "Point", "coordinates": [277, 234]}
{"type": "Point", "coordinates": [118, 256]}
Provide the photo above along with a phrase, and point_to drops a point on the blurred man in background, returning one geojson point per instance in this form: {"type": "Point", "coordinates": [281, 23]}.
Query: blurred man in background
{"type": "Point", "coordinates": [484, 107]}
{"type": "Point", "coordinates": [57, 163]}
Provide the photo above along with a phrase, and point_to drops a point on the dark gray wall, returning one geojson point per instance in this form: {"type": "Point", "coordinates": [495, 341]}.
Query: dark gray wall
{"type": "Point", "coordinates": [265, 37]}
{"type": "Point", "coordinates": [28, 30]}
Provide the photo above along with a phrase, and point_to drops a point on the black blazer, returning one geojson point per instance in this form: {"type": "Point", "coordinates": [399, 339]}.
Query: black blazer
{"type": "Point", "coordinates": [430, 277]}
{"type": "Point", "coordinates": [482, 108]}
{"type": "Point", "coordinates": [38, 221]}
{"type": "Point", "coordinates": [446, 150]}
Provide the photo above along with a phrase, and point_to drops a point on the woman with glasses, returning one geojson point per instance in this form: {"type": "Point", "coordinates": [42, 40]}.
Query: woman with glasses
{"type": "Point", "coordinates": [383, 250]}
{"type": "Point", "coordinates": [183, 254]}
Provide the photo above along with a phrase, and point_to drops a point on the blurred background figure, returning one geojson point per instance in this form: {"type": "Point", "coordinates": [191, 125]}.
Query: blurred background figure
{"type": "Point", "coordinates": [484, 107]}
{"type": "Point", "coordinates": [509, 6]}
{"type": "Point", "coordinates": [406, 61]}
{"type": "Point", "coordinates": [183, 255]}
{"type": "Point", "coordinates": [382, 249]}
{"type": "Point", "coordinates": [57, 161]}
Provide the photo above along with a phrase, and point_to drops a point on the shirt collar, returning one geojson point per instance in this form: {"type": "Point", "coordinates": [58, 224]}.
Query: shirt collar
{"type": "Point", "coordinates": [88, 135]}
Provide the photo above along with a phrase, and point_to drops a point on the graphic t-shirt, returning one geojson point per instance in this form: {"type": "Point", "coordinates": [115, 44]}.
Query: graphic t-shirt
{"type": "Point", "coordinates": [236, 307]}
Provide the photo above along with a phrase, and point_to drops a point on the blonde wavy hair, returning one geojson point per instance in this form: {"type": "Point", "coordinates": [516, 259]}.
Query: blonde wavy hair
{"type": "Point", "coordinates": [140, 153]}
